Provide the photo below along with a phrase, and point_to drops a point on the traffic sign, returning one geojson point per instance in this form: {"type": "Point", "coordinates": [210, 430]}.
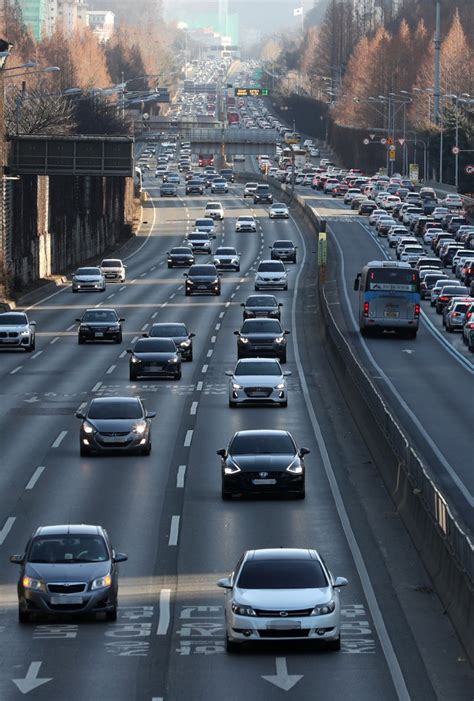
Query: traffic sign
{"type": "Point", "coordinates": [455, 150]}
{"type": "Point", "coordinates": [392, 155]}
{"type": "Point", "coordinates": [401, 141]}
{"type": "Point", "coordinates": [390, 141]}
{"type": "Point", "coordinates": [372, 136]}
{"type": "Point", "coordinates": [251, 92]}
{"type": "Point", "coordinates": [366, 141]}
{"type": "Point", "coordinates": [383, 141]}
{"type": "Point", "coordinates": [469, 170]}
{"type": "Point", "coordinates": [392, 149]}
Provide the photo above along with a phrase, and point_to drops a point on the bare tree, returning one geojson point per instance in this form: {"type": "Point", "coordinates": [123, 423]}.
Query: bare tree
{"type": "Point", "coordinates": [38, 112]}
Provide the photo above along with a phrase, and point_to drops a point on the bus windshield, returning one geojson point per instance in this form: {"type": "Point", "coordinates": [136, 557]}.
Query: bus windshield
{"type": "Point", "coordinates": [392, 279]}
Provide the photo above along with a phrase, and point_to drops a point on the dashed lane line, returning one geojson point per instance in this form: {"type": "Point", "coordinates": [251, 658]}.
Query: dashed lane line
{"type": "Point", "coordinates": [35, 477]}
{"type": "Point", "coordinates": [180, 477]}
{"type": "Point", "coordinates": [15, 370]}
{"type": "Point", "coordinates": [7, 526]}
{"type": "Point", "coordinates": [59, 439]}
{"type": "Point", "coordinates": [164, 616]}
{"type": "Point", "coordinates": [110, 370]}
{"type": "Point", "coordinates": [188, 438]}
{"type": "Point", "coordinates": [96, 387]}
{"type": "Point", "coordinates": [54, 340]}
{"type": "Point", "coordinates": [193, 409]}
{"type": "Point", "coordinates": [199, 386]}
{"type": "Point", "coordinates": [174, 530]}
{"type": "Point", "coordinates": [204, 368]}
{"type": "Point", "coordinates": [36, 355]}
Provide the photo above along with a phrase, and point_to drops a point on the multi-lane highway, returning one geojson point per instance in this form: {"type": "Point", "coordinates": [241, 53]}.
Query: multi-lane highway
{"type": "Point", "coordinates": [166, 513]}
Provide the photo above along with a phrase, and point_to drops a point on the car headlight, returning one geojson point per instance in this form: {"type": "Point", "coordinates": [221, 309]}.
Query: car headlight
{"type": "Point", "coordinates": [279, 339]}
{"type": "Point", "coordinates": [216, 281]}
{"type": "Point", "coordinates": [87, 427]}
{"type": "Point", "coordinates": [31, 583]}
{"type": "Point", "coordinates": [185, 344]}
{"type": "Point", "coordinates": [295, 467]}
{"type": "Point", "coordinates": [242, 339]}
{"type": "Point", "coordinates": [134, 359]}
{"type": "Point", "coordinates": [235, 385]}
{"type": "Point", "coordinates": [280, 386]}
{"type": "Point", "coordinates": [323, 609]}
{"type": "Point", "coordinates": [231, 468]}
{"type": "Point", "coordinates": [189, 282]}
{"type": "Point", "coordinates": [173, 360]}
{"type": "Point", "coordinates": [241, 610]}
{"type": "Point", "coordinates": [25, 332]}
{"type": "Point", "coordinates": [102, 582]}
{"type": "Point", "coordinates": [217, 261]}
{"type": "Point", "coordinates": [140, 427]}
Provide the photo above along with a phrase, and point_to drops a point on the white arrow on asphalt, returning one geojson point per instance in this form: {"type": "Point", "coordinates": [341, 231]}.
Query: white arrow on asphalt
{"type": "Point", "coordinates": [282, 679]}
{"type": "Point", "coordinates": [408, 350]}
{"type": "Point", "coordinates": [31, 681]}
{"type": "Point", "coordinates": [32, 399]}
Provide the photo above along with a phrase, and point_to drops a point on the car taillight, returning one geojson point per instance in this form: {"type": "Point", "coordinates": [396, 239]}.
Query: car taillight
{"type": "Point", "coordinates": [417, 310]}
{"type": "Point", "coordinates": [366, 309]}
{"type": "Point", "coordinates": [443, 298]}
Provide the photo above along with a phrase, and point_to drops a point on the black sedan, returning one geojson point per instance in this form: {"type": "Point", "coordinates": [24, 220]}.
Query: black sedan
{"type": "Point", "coordinates": [180, 256]}
{"type": "Point", "coordinates": [178, 332]}
{"type": "Point", "coordinates": [194, 187]}
{"type": "Point", "coordinates": [261, 306]}
{"type": "Point", "coordinates": [152, 357]}
{"type": "Point", "coordinates": [115, 424]}
{"type": "Point", "coordinates": [69, 570]}
{"type": "Point", "coordinates": [283, 250]}
{"type": "Point", "coordinates": [259, 337]}
{"type": "Point", "coordinates": [263, 462]}
{"type": "Point", "coordinates": [99, 325]}
{"type": "Point", "coordinates": [202, 279]}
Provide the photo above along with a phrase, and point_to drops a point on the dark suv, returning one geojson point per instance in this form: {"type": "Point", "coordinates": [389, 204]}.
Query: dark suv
{"type": "Point", "coordinates": [262, 195]}
{"type": "Point", "coordinates": [203, 279]}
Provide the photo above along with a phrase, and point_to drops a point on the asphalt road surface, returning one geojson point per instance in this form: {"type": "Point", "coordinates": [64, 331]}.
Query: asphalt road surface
{"type": "Point", "coordinates": [166, 512]}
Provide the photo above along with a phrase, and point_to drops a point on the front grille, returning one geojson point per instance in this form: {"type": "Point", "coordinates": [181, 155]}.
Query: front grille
{"type": "Point", "coordinates": [121, 433]}
{"type": "Point", "coordinates": [288, 633]}
{"type": "Point", "coordinates": [276, 614]}
{"type": "Point", "coordinates": [60, 588]}
{"type": "Point", "coordinates": [265, 391]}
{"type": "Point", "coordinates": [8, 334]}
{"type": "Point", "coordinates": [262, 342]}
{"type": "Point", "coordinates": [66, 607]}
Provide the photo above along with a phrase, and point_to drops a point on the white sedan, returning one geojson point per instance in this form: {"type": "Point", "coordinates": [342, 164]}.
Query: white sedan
{"type": "Point", "coordinates": [271, 274]}
{"type": "Point", "coordinates": [282, 594]}
{"type": "Point", "coordinates": [278, 210]}
{"type": "Point", "coordinates": [113, 269]}
{"type": "Point", "coordinates": [258, 381]}
{"type": "Point", "coordinates": [246, 223]}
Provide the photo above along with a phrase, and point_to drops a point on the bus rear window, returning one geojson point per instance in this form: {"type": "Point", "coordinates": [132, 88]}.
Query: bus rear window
{"type": "Point", "coordinates": [403, 280]}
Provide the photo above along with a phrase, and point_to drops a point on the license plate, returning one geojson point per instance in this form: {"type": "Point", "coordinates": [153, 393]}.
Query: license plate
{"type": "Point", "coordinates": [258, 394]}
{"type": "Point", "coordinates": [283, 625]}
{"type": "Point", "coordinates": [202, 287]}
{"type": "Point", "coordinates": [112, 275]}
{"type": "Point", "coordinates": [99, 334]}
{"type": "Point", "coordinates": [263, 481]}
{"type": "Point", "coordinates": [114, 439]}
{"type": "Point", "coordinates": [66, 599]}
{"type": "Point", "coordinates": [392, 314]}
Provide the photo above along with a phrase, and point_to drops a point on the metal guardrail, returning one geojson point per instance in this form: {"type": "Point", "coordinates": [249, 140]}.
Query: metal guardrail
{"type": "Point", "coordinates": [230, 135]}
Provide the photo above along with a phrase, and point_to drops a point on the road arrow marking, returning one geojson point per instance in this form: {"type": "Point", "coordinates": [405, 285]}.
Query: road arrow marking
{"type": "Point", "coordinates": [282, 679]}
{"type": "Point", "coordinates": [407, 350]}
{"type": "Point", "coordinates": [32, 399]}
{"type": "Point", "coordinates": [31, 681]}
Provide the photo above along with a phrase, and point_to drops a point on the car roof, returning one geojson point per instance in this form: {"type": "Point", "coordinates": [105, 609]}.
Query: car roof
{"type": "Point", "coordinates": [69, 529]}
{"type": "Point", "coordinates": [282, 554]}
{"type": "Point", "coordinates": [115, 400]}
{"type": "Point", "coordinates": [246, 361]}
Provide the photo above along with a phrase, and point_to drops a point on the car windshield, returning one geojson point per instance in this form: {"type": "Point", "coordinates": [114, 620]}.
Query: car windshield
{"type": "Point", "coordinates": [168, 330]}
{"type": "Point", "coordinates": [262, 444]}
{"type": "Point", "coordinates": [282, 574]}
{"type": "Point", "coordinates": [68, 548]}
{"type": "Point", "coordinates": [245, 219]}
{"type": "Point", "coordinates": [278, 205]}
{"type": "Point", "coordinates": [100, 315]}
{"type": "Point", "coordinates": [204, 222]}
{"type": "Point", "coordinates": [213, 206]}
{"type": "Point", "coordinates": [283, 244]}
{"type": "Point", "coordinates": [275, 267]}
{"type": "Point", "coordinates": [111, 264]}
{"type": "Point", "coordinates": [224, 251]}
{"type": "Point", "coordinates": [206, 270]}
{"type": "Point", "coordinates": [88, 271]}
{"type": "Point", "coordinates": [125, 409]}
{"type": "Point", "coordinates": [13, 320]}
{"type": "Point", "coordinates": [198, 237]}
{"type": "Point", "coordinates": [261, 326]}
{"type": "Point", "coordinates": [158, 345]}
{"type": "Point", "coordinates": [263, 301]}
{"type": "Point", "coordinates": [269, 367]}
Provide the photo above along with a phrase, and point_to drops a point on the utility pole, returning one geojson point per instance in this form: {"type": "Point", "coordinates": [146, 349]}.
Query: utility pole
{"type": "Point", "coordinates": [437, 42]}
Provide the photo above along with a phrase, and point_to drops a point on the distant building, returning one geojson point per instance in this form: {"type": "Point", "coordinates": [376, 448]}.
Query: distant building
{"type": "Point", "coordinates": [34, 13]}
{"type": "Point", "coordinates": [102, 24]}
{"type": "Point", "coordinates": [71, 15]}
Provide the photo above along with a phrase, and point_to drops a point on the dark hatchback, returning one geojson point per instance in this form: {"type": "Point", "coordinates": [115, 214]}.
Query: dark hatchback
{"type": "Point", "coordinates": [367, 207]}
{"type": "Point", "coordinates": [262, 195]}
{"type": "Point", "coordinates": [261, 462]}
{"type": "Point", "coordinates": [180, 256]}
{"type": "Point", "coordinates": [228, 174]}
{"type": "Point", "coordinates": [115, 425]}
{"type": "Point", "coordinates": [68, 569]}
{"type": "Point", "coordinates": [259, 337]}
{"type": "Point", "coordinates": [446, 293]}
{"type": "Point", "coordinates": [283, 250]}
{"type": "Point", "coordinates": [154, 357]}
{"type": "Point", "coordinates": [178, 332]}
{"type": "Point", "coordinates": [202, 279]}
{"type": "Point", "coordinates": [99, 325]}
{"type": "Point", "coordinates": [265, 306]}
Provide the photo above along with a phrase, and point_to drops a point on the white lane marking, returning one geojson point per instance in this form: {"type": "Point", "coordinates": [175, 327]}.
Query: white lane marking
{"type": "Point", "coordinates": [35, 355]}
{"type": "Point", "coordinates": [174, 531]}
{"type": "Point", "coordinates": [162, 262]}
{"type": "Point", "coordinates": [154, 315]}
{"type": "Point", "coordinates": [180, 287]}
{"type": "Point", "coordinates": [413, 418]}
{"type": "Point", "coordinates": [213, 339]}
{"type": "Point", "coordinates": [164, 304]}
{"type": "Point", "coordinates": [70, 328]}
{"type": "Point", "coordinates": [153, 267]}
{"type": "Point", "coordinates": [221, 315]}
{"type": "Point", "coordinates": [209, 353]}
{"type": "Point", "coordinates": [97, 386]}
{"type": "Point", "coordinates": [55, 340]}
{"type": "Point", "coordinates": [134, 339]}
{"type": "Point", "coordinates": [232, 295]}
{"type": "Point", "coordinates": [142, 274]}
{"type": "Point", "coordinates": [132, 281]}
{"type": "Point", "coordinates": [193, 409]}
{"type": "Point", "coordinates": [147, 238]}
{"type": "Point", "coordinates": [98, 305]}
{"type": "Point", "coordinates": [110, 296]}
{"type": "Point", "coordinates": [204, 368]}
{"type": "Point", "coordinates": [59, 439]}
{"type": "Point", "coordinates": [110, 370]}
{"type": "Point", "coordinates": [81, 407]}
{"type": "Point", "coordinates": [144, 327]}
{"type": "Point", "coordinates": [123, 354]}
{"type": "Point", "coordinates": [15, 370]}
{"type": "Point", "coordinates": [238, 287]}
{"type": "Point", "coordinates": [386, 643]}
{"type": "Point", "coordinates": [35, 477]}
{"type": "Point", "coordinates": [188, 438]}
{"type": "Point", "coordinates": [199, 386]}
{"type": "Point", "coordinates": [217, 327]}
{"type": "Point", "coordinates": [227, 304]}
{"type": "Point", "coordinates": [173, 295]}
{"type": "Point", "coordinates": [7, 526]}
{"type": "Point", "coordinates": [164, 619]}
{"type": "Point", "coordinates": [180, 476]}
{"type": "Point", "coordinates": [122, 288]}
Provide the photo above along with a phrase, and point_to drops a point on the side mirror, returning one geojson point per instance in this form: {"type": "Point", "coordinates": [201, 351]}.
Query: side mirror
{"type": "Point", "coordinates": [121, 319]}
{"type": "Point", "coordinates": [144, 335]}
{"type": "Point", "coordinates": [222, 452]}
{"type": "Point", "coordinates": [16, 559]}
{"type": "Point", "coordinates": [229, 373]}
{"type": "Point", "coordinates": [242, 304]}
{"type": "Point", "coordinates": [125, 266]}
{"type": "Point", "coordinates": [78, 320]}
{"type": "Point", "coordinates": [303, 452]}
{"type": "Point", "coordinates": [236, 333]}
{"type": "Point", "coordinates": [221, 274]}
{"type": "Point", "coordinates": [129, 350]}
{"type": "Point", "coordinates": [120, 557]}
{"type": "Point", "coordinates": [341, 582]}
{"type": "Point", "coordinates": [185, 275]}
{"type": "Point", "coordinates": [225, 583]}
{"type": "Point", "coordinates": [286, 373]}
{"type": "Point", "coordinates": [150, 414]}
{"type": "Point", "coordinates": [357, 283]}
{"type": "Point", "coordinates": [32, 323]}
{"type": "Point", "coordinates": [280, 304]}
{"type": "Point", "coordinates": [79, 415]}
{"type": "Point", "coordinates": [286, 332]}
